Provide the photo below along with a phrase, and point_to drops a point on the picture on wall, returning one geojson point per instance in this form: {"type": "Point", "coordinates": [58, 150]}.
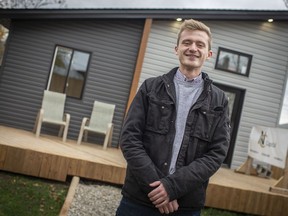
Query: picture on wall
{"type": "Point", "coordinates": [233, 61]}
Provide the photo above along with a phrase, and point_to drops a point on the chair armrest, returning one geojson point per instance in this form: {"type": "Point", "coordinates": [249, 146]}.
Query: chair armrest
{"type": "Point", "coordinates": [110, 125]}
{"type": "Point", "coordinates": [67, 118]}
{"type": "Point", "coordinates": [85, 121]}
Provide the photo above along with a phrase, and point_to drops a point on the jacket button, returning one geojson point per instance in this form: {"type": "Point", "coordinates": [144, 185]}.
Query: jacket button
{"type": "Point", "coordinates": [165, 164]}
{"type": "Point", "coordinates": [162, 107]}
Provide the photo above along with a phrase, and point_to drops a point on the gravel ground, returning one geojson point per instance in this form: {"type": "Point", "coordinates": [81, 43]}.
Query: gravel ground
{"type": "Point", "coordinates": [95, 199]}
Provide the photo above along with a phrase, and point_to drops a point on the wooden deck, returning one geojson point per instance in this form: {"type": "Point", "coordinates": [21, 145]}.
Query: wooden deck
{"type": "Point", "coordinates": [48, 157]}
{"type": "Point", "coordinates": [245, 193]}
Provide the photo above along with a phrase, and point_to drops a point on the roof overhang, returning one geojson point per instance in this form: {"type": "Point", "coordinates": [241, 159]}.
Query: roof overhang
{"type": "Point", "coordinates": [143, 14]}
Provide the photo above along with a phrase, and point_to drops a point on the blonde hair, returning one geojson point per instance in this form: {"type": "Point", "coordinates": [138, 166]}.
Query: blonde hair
{"type": "Point", "coordinates": [192, 24]}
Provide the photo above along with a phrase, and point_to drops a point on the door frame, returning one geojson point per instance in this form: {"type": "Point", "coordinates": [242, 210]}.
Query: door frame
{"type": "Point", "coordinates": [235, 115]}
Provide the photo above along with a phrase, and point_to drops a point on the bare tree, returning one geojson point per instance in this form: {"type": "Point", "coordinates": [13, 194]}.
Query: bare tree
{"type": "Point", "coordinates": [286, 3]}
{"type": "Point", "coordinates": [25, 4]}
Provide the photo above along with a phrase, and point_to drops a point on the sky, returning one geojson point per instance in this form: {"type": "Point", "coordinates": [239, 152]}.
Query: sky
{"type": "Point", "coordinates": [180, 4]}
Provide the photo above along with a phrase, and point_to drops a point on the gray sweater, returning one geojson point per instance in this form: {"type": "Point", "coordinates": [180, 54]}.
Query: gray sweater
{"type": "Point", "coordinates": [187, 92]}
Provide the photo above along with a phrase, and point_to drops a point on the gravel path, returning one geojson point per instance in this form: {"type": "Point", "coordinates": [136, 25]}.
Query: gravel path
{"type": "Point", "coordinates": [95, 199]}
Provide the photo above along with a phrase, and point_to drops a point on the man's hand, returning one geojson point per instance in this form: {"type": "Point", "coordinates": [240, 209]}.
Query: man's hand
{"type": "Point", "coordinates": [170, 207]}
{"type": "Point", "coordinates": [159, 197]}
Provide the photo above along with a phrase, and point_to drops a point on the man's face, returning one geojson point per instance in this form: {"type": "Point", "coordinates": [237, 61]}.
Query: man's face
{"type": "Point", "coordinates": [192, 49]}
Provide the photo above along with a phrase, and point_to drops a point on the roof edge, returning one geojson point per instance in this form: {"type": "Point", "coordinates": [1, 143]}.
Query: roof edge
{"type": "Point", "coordinates": [142, 14]}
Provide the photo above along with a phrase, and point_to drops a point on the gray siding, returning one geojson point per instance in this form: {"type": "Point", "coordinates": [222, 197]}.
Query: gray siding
{"type": "Point", "coordinates": [267, 42]}
{"type": "Point", "coordinates": [114, 46]}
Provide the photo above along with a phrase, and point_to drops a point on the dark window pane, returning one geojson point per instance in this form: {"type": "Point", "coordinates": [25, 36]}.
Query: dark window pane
{"type": "Point", "coordinates": [68, 72]}
{"type": "Point", "coordinates": [60, 69]}
{"type": "Point", "coordinates": [77, 74]}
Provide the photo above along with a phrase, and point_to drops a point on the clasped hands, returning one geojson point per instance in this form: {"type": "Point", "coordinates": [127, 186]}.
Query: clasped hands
{"type": "Point", "coordinates": [159, 197]}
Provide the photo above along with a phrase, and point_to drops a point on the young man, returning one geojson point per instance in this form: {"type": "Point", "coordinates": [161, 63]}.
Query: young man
{"type": "Point", "coordinates": [176, 134]}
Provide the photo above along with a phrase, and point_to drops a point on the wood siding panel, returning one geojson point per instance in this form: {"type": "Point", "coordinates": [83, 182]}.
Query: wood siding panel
{"type": "Point", "coordinates": [267, 42]}
{"type": "Point", "coordinates": [113, 45]}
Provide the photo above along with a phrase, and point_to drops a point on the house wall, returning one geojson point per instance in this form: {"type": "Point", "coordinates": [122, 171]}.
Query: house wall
{"type": "Point", "coordinates": [114, 47]}
{"type": "Point", "coordinates": [24, 74]}
{"type": "Point", "coordinates": [267, 42]}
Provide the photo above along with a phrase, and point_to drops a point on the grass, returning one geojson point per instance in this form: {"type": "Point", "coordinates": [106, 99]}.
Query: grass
{"type": "Point", "coordinates": [218, 212]}
{"type": "Point", "coordinates": [23, 195]}
{"type": "Point", "coordinates": [26, 196]}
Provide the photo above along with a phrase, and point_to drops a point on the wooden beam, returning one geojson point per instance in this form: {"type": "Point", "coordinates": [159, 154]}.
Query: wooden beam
{"type": "Point", "coordinates": [247, 167]}
{"type": "Point", "coordinates": [70, 196]}
{"type": "Point", "coordinates": [281, 185]}
{"type": "Point", "coordinates": [139, 63]}
{"type": "Point", "coordinates": [285, 177]}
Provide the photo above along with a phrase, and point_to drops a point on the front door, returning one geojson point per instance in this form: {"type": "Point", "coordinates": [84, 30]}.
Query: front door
{"type": "Point", "coordinates": [236, 97]}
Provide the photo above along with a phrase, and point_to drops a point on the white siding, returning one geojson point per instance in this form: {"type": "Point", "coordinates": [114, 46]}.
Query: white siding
{"type": "Point", "coordinates": [267, 42]}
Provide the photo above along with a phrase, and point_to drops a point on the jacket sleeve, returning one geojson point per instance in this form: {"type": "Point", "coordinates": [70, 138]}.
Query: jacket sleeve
{"type": "Point", "coordinates": [138, 161]}
{"type": "Point", "coordinates": [194, 175]}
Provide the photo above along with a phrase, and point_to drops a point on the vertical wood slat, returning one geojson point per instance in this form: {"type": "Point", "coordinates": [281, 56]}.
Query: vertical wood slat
{"type": "Point", "coordinates": [54, 167]}
{"type": "Point", "coordinates": [3, 150]}
{"type": "Point", "coordinates": [70, 196]}
{"type": "Point", "coordinates": [139, 63]}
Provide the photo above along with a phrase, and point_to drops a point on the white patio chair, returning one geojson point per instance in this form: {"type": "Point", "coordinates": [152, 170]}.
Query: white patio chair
{"type": "Point", "coordinates": [100, 122]}
{"type": "Point", "coordinates": [52, 112]}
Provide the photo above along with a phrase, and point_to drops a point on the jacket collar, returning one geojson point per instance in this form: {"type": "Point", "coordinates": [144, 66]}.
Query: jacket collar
{"type": "Point", "coordinates": [168, 77]}
{"type": "Point", "coordinates": [168, 81]}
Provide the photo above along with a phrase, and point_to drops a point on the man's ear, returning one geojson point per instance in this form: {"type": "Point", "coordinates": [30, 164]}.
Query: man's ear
{"type": "Point", "coordinates": [209, 54]}
{"type": "Point", "coordinates": [176, 50]}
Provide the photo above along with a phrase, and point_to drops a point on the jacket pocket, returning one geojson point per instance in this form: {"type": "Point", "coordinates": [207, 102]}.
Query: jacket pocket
{"type": "Point", "coordinates": [159, 115]}
{"type": "Point", "coordinates": [206, 123]}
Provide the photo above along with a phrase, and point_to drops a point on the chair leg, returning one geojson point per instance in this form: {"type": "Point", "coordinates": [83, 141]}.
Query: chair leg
{"type": "Point", "coordinates": [82, 129]}
{"type": "Point", "coordinates": [38, 130]}
{"type": "Point", "coordinates": [36, 123]}
{"type": "Point", "coordinates": [39, 122]}
{"type": "Point", "coordinates": [108, 136]}
{"type": "Point", "coordinates": [65, 133]}
{"type": "Point", "coordinates": [60, 133]}
{"type": "Point", "coordinates": [85, 135]}
{"type": "Point", "coordinates": [67, 119]}
{"type": "Point", "coordinates": [80, 136]}
{"type": "Point", "coordinates": [106, 142]}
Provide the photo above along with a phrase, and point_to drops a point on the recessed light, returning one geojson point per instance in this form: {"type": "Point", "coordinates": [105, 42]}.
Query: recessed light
{"type": "Point", "coordinates": [179, 19]}
{"type": "Point", "coordinates": [270, 20]}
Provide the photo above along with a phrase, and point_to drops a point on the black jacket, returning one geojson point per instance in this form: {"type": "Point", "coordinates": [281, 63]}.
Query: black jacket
{"type": "Point", "coordinates": [147, 140]}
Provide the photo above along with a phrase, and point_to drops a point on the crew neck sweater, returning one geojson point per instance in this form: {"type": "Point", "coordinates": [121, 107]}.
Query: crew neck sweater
{"type": "Point", "coordinates": [187, 93]}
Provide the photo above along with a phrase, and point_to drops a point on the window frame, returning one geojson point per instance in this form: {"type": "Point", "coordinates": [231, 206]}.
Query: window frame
{"type": "Point", "coordinates": [222, 50]}
{"type": "Point", "coordinates": [70, 63]}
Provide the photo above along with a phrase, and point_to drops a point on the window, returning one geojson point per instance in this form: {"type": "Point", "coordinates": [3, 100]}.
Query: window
{"type": "Point", "coordinates": [284, 110]}
{"type": "Point", "coordinates": [68, 71]}
{"type": "Point", "coordinates": [233, 61]}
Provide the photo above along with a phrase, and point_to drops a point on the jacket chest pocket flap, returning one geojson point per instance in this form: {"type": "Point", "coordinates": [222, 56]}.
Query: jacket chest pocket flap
{"type": "Point", "coordinates": [206, 122]}
{"type": "Point", "coordinates": [159, 115]}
